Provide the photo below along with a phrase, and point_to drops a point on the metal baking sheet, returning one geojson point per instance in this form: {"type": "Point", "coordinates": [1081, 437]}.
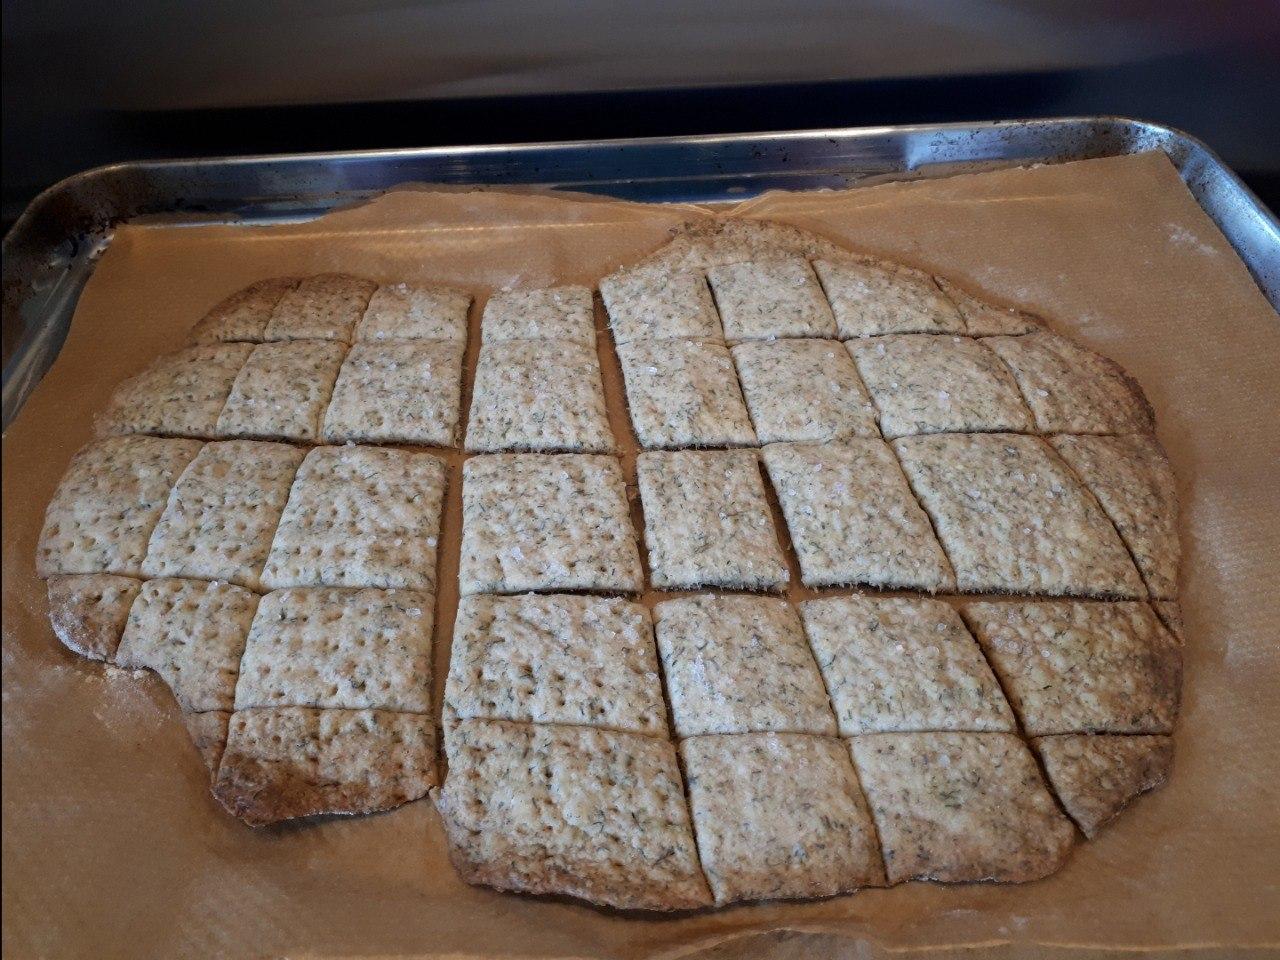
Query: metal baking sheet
{"type": "Point", "coordinates": [52, 248]}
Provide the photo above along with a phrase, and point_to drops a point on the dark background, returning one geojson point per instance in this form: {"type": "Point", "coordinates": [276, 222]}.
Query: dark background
{"type": "Point", "coordinates": [87, 84]}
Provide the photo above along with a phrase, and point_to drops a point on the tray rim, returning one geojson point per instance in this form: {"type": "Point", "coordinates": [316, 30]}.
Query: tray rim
{"type": "Point", "coordinates": [50, 250]}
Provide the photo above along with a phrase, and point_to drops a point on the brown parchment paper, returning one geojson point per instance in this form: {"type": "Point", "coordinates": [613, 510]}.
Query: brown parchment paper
{"type": "Point", "coordinates": [114, 848]}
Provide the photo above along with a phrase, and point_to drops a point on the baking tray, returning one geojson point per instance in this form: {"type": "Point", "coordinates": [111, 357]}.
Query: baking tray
{"type": "Point", "coordinates": [52, 248]}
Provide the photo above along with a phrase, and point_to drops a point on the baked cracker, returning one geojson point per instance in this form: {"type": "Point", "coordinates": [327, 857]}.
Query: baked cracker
{"type": "Point", "coordinates": [415, 311]}
{"type": "Point", "coordinates": [652, 303]}
{"type": "Point", "coordinates": [770, 298]}
{"type": "Point", "coordinates": [902, 664]}
{"type": "Point", "coordinates": [108, 502]}
{"type": "Point", "coordinates": [192, 634]}
{"type": "Point", "coordinates": [542, 313]}
{"type": "Point", "coordinates": [223, 513]}
{"type": "Point", "coordinates": [739, 664]}
{"type": "Point", "coordinates": [360, 517]}
{"type": "Point", "coordinates": [244, 314]}
{"type": "Point", "coordinates": [1096, 777]}
{"type": "Point", "coordinates": [985, 319]}
{"type": "Point", "coordinates": [546, 522]}
{"type": "Point", "coordinates": [778, 816]}
{"type": "Point", "coordinates": [299, 762]}
{"type": "Point", "coordinates": [88, 612]}
{"type": "Point", "coordinates": [853, 518]}
{"type": "Point", "coordinates": [324, 307]}
{"type": "Point", "coordinates": [282, 391]}
{"type": "Point", "coordinates": [564, 659]}
{"type": "Point", "coordinates": [1080, 667]}
{"type": "Point", "coordinates": [959, 807]}
{"type": "Point", "coordinates": [1014, 519]}
{"type": "Point", "coordinates": [871, 297]}
{"type": "Point", "coordinates": [589, 813]}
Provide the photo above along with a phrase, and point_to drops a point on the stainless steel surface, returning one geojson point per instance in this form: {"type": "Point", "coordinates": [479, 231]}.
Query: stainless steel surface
{"type": "Point", "coordinates": [52, 249]}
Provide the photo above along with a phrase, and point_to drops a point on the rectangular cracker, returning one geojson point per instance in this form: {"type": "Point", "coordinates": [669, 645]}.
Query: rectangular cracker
{"type": "Point", "coordinates": [223, 513]}
{"type": "Point", "coordinates": [538, 395]}
{"type": "Point", "coordinates": [902, 664]}
{"type": "Point", "coordinates": [707, 522]}
{"type": "Point", "coordinates": [1095, 777]}
{"type": "Point", "coordinates": [208, 732]}
{"type": "Point", "coordinates": [684, 393]}
{"type": "Point", "coordinates": [586, 661]}
{"type": "Point", "coordinates": [282, 391]}
{"type": "Point", "coordinates": [360, 517]}
{"type": "Point", "coordinates": [108, 502]}
{"type": "Point", "coordinates": [546, 522]}
{"type": "Point", "coordinates": [180, 394]}
{"type": "Point", "coordinates": [88, 612]}
{"type": "Point", "coordinates": [779, 816]}
{"type": "Point", "coordinates": [985, 319]}
{"type": "Point", "coordinates": [770, 298]}
{"type": "Point", "coordinates": [1131, 478]}
{"type": "Point", "coordinates": [403, 391]}
{"type": "Point", "coordinates": [1073, 390]}
{"type": "Point", "coordinates": [1014, 519]}
{"type": "Point", "coordinates": [577, 811]}
{"type": "Point", "coordinates": [415, 311]}
{"type": "Point", "coordinates": [324, 307]}
{"type": "Point", "coordinates": [923, 383]}
{"type": "Point", "coordinates": [649, 303]}
{"type": "Point", "coordinates": [244, 314]}
{"type": "Point", "coordinates": [337, 648]}
{"type": "Point", "coordinates": [299, 762]}
{"type": "Point", "coordinates": [959, 807]}
{"type": "Point", "coordinates": [192, 634]}
{"type": "Point", "coordinates": [739, 664]}
{"type": "Point", "coordinates": [871, 297]}
{"type": "Point", "coordinates": [543, 313]}
{"type": "Point", "coordinates": [1079, 667]}
{"type": "Point", "coordinates": [800, 390]}
{"type": "Point", "coordinates": [853, 518]}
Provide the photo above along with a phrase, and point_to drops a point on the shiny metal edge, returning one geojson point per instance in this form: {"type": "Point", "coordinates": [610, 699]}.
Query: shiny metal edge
{"type": "Point", "coordinates": [51, 250]}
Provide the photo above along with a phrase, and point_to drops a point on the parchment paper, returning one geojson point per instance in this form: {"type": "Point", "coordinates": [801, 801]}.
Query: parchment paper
{"type": "Point", "coordinates": [114, 848]}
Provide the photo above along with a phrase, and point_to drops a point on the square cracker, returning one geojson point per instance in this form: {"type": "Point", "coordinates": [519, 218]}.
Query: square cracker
{"type": "Point", "coordinates": [403, 391]}
{"type": "Point", "coordinates": [1014, 519]}
{"type": "Point", "coordinates": [545, 313]}
{"type": "Point", "coordinates": [360, 517]}
{"type": "Point", "coordinates": [299, 762]}
{"type": "Point", "coordinates": [88, 612]}
{"type": "Point", "coordinates": [1079, 667]}
{"type": "Point", "coordinates": [707, 522]}
{"type": "Point", "coordinates": [902, 664]}
{"type": "Point", "coordinates": [1095, 777]}
{"type": "Point", "coordinates": [415, 311]}
{"type": "Point", "coordinates": [852, 517]}
{"type": "Point", "coordinates": [684, 393]}
{"type": "Point", "coordinates": [589, 813]}
{"type": "Point", "coordinates": [770, 298]}
{"type": "Point", "coordinates": [1131, 478]}
{"type": "Point", "coordinates": [873, 297]}
{"type": "Point", "coordinates": [959, 807]}
{"type": "Point", "coordinates": [739, 664]}
{"type": "Point", "coordinates": [983, 319]}
{"type": "Point", "coordinates": [208, 732]}
{"type": "Point", "coordinates": [180, 394]}
{"type": "Point", "coordinates": [282, 390]}
{"type": "Point", "coordinates": [803, 390]}
{"type": "Point", "coordinates": [244, 314]}
{"type": "Point", "coordinates": [223, 513]}
{"type": "Point", "coordinates": [579, 660]}
{"type": "Point", "coordinates": [546, 522]}
{"type": "Point", "coordinates": [779, 816]}
{"type": "Point", "coordinates": [653, 304]}
{"type": "Point", "coordinates": [108, 502]}
{"type": "Point", "coordinates": [323, 307]}
{"type": "Point", "coordinates": [1073, 390]}
{"type": "Point", "coordinates": [538, 395]}
{"type": "Point", "coordinates": [336, 648]}
{"type": "Point", "coordinates": [923, 383]}
{"type": "Point", "coordinates": [192, 634]}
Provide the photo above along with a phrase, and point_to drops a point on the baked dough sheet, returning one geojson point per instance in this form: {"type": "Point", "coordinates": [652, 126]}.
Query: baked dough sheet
{"type": "Point", "coordinates": [113, 845]}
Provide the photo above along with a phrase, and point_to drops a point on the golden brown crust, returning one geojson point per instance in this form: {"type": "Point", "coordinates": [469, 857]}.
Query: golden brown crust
{"type": "Point", "coordinates": [88, 612]}
{"type": "Point", "coordinates": [1097, 776]}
